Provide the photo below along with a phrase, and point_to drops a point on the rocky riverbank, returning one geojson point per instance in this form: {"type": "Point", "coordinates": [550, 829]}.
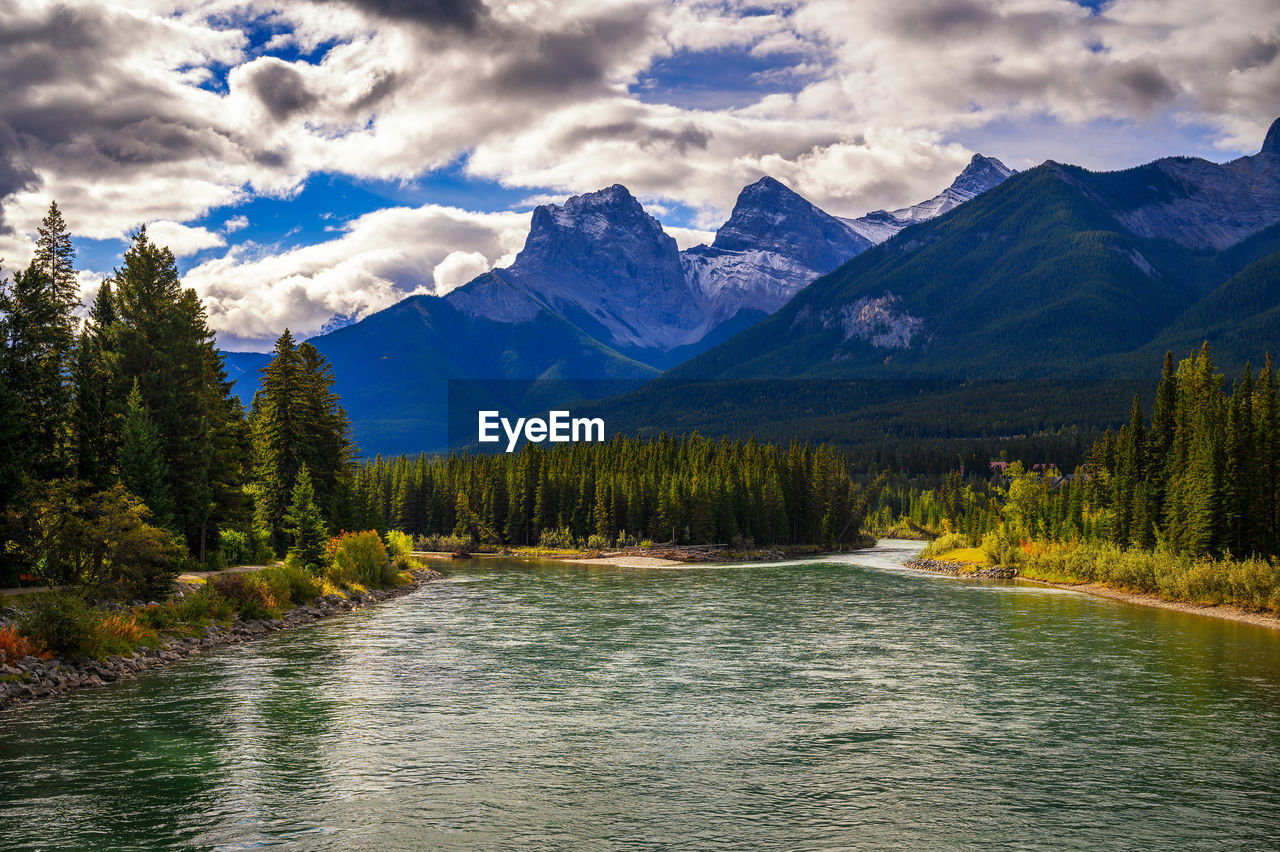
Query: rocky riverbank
{"type": "Point", "coordinates": [962, 569]}
{"type": "Point", "coordinates": [31, 678]}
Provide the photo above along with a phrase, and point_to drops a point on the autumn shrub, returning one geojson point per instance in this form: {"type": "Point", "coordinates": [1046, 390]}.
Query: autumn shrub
{"type": "Point", "coordinates": [360, 558]}
{"type": "Point", "coordinates": [15, 646]}
{"type": "Point", "coordinates": [120, 633]}
{"type": "Point", "coordinates": [61, 622]}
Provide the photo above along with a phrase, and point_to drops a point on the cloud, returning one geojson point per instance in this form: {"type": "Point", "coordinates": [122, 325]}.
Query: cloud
{"type": "Point", "coordinates": [166, 110]}
{"type": "Point", "coordinates": [183, 240]}
{"type": "Point", "coordinates": [235, 223]}
{"type": "Point", "coordinates": [381, 258]}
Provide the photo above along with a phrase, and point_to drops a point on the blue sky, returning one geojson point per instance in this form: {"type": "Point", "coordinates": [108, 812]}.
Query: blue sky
{"type": "Point", "coordinates": [309, 160]}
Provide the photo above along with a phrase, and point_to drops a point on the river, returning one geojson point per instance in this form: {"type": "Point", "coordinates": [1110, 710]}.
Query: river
{"type": "Point", "coordinates": [836, 702]}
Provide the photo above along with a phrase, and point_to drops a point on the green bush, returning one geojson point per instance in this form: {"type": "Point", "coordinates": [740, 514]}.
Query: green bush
{"type": "Point", "coordinates": [945, 544]}
{"type": "Point", "coordinates": [1247, 583]}
{"type": "Point", "coordinates": [236, 548]}
{"type": "Point", "coordinates": [560, 539]}
{"type": "Point", "coordinates": [61, 622]}
{"type": "Point", "coordinates": [293, 581]}
{"type": "Point", "coordinates": [360, 558]}
{"type": "Point", "coordinates": [598, 542]}
{"type": "Point", "coordinates": [160, 616]}
{"type": "Point", "coordinates": [253, 598]}
{"type": "Point", "coordinates": [203, 603]}
{"type": "Point", "coordinates": [399, 543]}
{"type": "Point", "coordinates": [442, 543]}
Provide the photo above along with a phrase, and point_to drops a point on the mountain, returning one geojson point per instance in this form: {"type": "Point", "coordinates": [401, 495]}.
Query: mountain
{"type": "Point", "coordinates": [1057, 273]}
{"type": "Point", "coordinates": [605, 265]}
{"type": "Point", "coordinates": [981, 174]}
{"type": "Point", "coordinates": [599, 293]}
{"type": "Point", "coordinates": [774, 243]}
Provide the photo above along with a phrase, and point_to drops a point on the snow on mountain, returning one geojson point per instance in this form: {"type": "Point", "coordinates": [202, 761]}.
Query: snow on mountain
{"type": "Point", "coordinates": [774, 243]}
{"type": "Point", "coordinates": [603, 263]}
{"type": "Point", "coordinates": [981, 174]}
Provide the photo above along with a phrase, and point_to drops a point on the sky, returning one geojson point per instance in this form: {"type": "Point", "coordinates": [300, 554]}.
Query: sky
{"type": "Point", "coordinates": [312, 162]}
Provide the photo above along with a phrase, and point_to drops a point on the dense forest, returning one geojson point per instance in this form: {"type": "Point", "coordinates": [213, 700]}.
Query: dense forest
{"type": "Point", "coordinates": [123, 451]}
{"type": "Point", "coordinates": [124, 454]}
{"type": "Point", "coordinates": [1185, 503]}
{"type": "Point", "coordinates": [1200, 477]}
{"type": "Point", "coordinates": [688, 489]}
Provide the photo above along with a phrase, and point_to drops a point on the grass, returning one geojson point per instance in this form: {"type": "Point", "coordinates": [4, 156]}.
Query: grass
{"type": "Point", "coordinates": [974, 555]}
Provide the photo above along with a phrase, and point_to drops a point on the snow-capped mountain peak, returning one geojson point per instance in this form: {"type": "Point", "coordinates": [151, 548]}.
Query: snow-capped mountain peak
{"type": "Point", "coordinates": [981, 174]}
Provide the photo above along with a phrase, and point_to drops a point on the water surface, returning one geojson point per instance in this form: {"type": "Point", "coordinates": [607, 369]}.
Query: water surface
{"type": "Point", "coordinates": [830, 703]}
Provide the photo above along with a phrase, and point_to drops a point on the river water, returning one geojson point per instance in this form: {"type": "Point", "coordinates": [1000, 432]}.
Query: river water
{"type": "Point", "coordinates": [833, 703]}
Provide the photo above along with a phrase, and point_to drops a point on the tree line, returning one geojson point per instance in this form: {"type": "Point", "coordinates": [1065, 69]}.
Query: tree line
{"type": "Point", "coordinates": [1200, 477]}
{"type": "Point", "coordinates": [687, 489]}
{"type": "Point", "coordinates": [122, 424]}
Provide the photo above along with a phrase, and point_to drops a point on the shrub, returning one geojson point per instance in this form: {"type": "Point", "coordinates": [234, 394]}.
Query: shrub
{"type": "Point", "coordinates": [203, 603]}
{"type": "Point", "coordinates": [236, 548]}
{"type": "Point", "coordinates": [442, 543]}
{"type": "Point", "coordinates": [360, 558]}
{"type": "Point", "coordinates": [15, 646]}
{"type": "Point", "coordinates": [292, 581]}
{"type": "Point", "coordinates": [101, 540]}
{"type": "Point", "coordinates": [560, 539]}
{"type": "Point", "coordinates": [120, 633]}
{"type": "Point", "coordinates": [61, 622]}
{"type": "Point", "coordinates": [598, 542]}
{"type": "Point", "coordinates": [252, 597]}
{"type": "Point", "coordinates": [399, 544]}
{"type": "Point", "coordinates": [945, 544]}
{"type": "Point", "coordinates": [1001, 548]}
{"type": "Point", "coordinates": [160, 616]}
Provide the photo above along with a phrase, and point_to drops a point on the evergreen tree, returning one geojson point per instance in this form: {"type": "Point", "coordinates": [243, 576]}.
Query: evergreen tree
{"type": "Point", "coordinates": [142, 467]}
{"type": "Point", "coordinates": [305, 526]}
{"type": "Point", "coordinates": [56, 257]}
{"type": "Point", "coordinates": [297, 421]}
{"type": "Point", "coordinates": [37, 330]}
{"type": "Point", "coordinates": [161, 339]}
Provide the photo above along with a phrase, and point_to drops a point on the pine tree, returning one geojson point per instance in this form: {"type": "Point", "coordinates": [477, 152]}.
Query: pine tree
{"type": "Point", "coordinates": [37, 330]}
{"type": "Point", "coordinates": [161, 339]}
{"type": "Point", "coordinates": [297, 420]}
{"type": "Point", "coordinates": [142, 467]}
{"type": "Point", "coordinates": [305, 526]}
{"type": "Point", "coordinates": [56, 256]}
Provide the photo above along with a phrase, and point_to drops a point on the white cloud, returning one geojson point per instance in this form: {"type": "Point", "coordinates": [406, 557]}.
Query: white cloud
{"type": "Point", "coordinates": [688, 237]}
{"type": "Point", "coordinates": [381, 258]}
{"type": "Point", "coordinates": [118, 110]}
{"type": "Point", "coordinates": [183, 240]}
{"type": "Point", "coordinates": [235, 223]}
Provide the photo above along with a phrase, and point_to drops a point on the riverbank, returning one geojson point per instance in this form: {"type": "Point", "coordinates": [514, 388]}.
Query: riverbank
{"type": "Point", "coordinates": [973, 571]}
{"type": "Point", "coordinates": [657, 556]}
{"type": "Point", "coordinates": [35, 677]}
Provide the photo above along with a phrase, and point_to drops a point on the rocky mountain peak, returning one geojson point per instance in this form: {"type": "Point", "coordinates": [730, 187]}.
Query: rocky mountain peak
{"type": "Point", "coordinates": [770, 216]}
{"type": "Point", "coordinates": [981, 174]}
{"type": "Point", "coordinates": [1271, 145]}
